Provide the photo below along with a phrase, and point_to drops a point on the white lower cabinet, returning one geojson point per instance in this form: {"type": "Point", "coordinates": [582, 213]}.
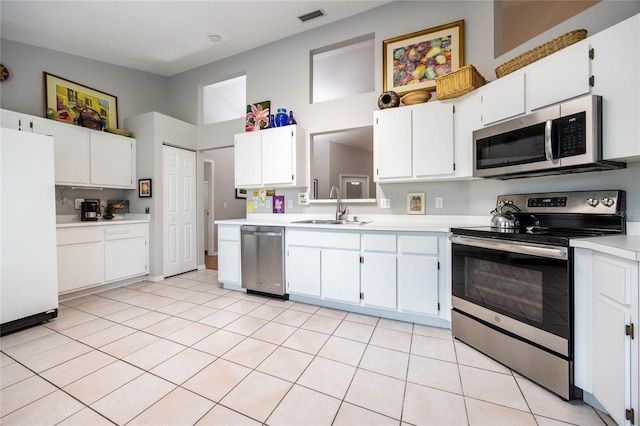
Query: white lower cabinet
{"type": "Point", "coordinates": [418, 274]}
{"type": "Point", "coordinates": [607, 349]}
{"type": "Point", "coordinates": [80, 258]}
{"type": "Point", "coordinates": [303, 271]}
{"type": "Point", "coordinates": [93, 255]}
{"type": "Point", "coordinates": [229, 254]}
{"type": "Point", "coordinates": [384, 271]}
{"type": "Point", "coordinates": [379, 270]}
{"type": "Point", "coordinates": [125, 252]}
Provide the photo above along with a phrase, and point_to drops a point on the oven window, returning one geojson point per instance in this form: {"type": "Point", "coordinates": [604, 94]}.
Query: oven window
{"type": "Point", "coordinates": [527, 288]}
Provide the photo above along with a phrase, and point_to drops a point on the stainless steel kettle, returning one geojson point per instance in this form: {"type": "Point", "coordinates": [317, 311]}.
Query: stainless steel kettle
{"type": "Point", "coordinates": [504, 219]}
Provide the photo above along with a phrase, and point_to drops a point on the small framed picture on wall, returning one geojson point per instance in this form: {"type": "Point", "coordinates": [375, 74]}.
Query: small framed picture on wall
{"type": "Point", "coordinates": [144, 188]}
{"type": "Point", "coordinates": [415, 203]}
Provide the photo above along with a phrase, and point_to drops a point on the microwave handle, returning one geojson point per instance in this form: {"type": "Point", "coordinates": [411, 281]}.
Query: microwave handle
{"type": "Point", "coordinates": [548, 146]}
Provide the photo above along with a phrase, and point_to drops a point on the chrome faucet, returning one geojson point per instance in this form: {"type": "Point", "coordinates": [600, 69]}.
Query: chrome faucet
{"type": "Point", "coordinates": [340, 212]}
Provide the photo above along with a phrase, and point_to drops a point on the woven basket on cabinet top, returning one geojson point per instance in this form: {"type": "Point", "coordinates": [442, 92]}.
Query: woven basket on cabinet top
{"type": "Point", "coordinates": [540, 52]}
{"type": "Point", "coordinates": [459, 82]}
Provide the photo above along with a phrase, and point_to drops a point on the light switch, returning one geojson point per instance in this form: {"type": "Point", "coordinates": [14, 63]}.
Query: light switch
{"type": "Point", "coordinates": [439, 202]}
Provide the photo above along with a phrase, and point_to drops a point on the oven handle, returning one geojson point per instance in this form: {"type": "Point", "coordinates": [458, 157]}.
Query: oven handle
{"type": "Point", "coordinates": [540, 250]}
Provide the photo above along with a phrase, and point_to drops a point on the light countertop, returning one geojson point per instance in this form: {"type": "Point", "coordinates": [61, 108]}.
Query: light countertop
{"type": "Point", "coordinates": [392, 223]}
{"type": "Point", "coordinates": [72, 221]}
{"type": "Point", "coordinates": [624, 246]}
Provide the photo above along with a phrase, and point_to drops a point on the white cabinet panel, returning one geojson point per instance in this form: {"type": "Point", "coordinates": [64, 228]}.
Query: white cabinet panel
{"type": "Point", "coordinates": [16, 121]}
{"type": "Point", "coordinates": [558, 77]}
{"type": "Point", "coordinates": [229, 261]}
{"type": "Point", "coordinates": [341, 275]}
{"type": "Point", "coordinates": [71, 154]}
{"type": "Point", "coordinates": [379, 279]}
{"type": "Point", "coordinates": [80, 266]}
{"type": "Point", "coordinates": [111, 161]}
{"type": "Point", "coordinates": [392, 144]}
{"type": "Point", "coordinates": [433, 139]}
{"type": "Point", "coordinates": [125, 258]}
{"type": "Point", "coordinates": [248, 159]}
{"type": "Point", "coordinates": [303, 271]}
{"type": "Point", "coordinates": [418, 284]}
{"type": "Point", "coordinates": [277, 156]}
{"type": "Point", "coordinates": [503, 98]}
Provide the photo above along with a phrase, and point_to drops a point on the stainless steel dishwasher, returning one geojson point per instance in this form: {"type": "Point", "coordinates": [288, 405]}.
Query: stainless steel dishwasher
{"type": "Point", "coordinates": [262, 251]}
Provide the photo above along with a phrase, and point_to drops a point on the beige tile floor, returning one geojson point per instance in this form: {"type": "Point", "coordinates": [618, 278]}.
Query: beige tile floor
{"type": "Point", "coordinates": [185, 351]}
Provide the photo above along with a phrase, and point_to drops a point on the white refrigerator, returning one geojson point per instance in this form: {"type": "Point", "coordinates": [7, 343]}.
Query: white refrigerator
{"type": "Point", "coordinates": [28, 261]}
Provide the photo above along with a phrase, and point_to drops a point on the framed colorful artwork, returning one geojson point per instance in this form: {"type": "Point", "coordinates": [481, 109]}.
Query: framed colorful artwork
{"type": "Point", "coordinates": [413, 61]}
{"type": "Point", "coordinates": [64, 100]}
{"type": "Point", "coordinates": [144, 188]}
{"type": "Point", "coordinates": [415, 203]}
{"type": "Point", "coordinates": [258, 116]}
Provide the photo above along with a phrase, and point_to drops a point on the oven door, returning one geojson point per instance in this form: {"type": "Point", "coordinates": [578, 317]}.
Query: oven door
{"type": "Point", "coordinates": [523, 289]}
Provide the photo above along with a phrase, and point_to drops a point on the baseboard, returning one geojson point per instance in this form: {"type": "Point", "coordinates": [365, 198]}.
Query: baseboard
{"type": "Point", "coordinates": [201, 267]}
{"type": "Point", "coordinates": [154, 279]}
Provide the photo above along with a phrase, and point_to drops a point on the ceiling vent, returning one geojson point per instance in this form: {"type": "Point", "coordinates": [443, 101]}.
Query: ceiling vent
{"type": "Point", "coordinates": [311, 15]}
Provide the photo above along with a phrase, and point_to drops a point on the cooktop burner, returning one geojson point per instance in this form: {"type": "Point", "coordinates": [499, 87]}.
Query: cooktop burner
{"type": "Point", "coordinates": [554, 218]}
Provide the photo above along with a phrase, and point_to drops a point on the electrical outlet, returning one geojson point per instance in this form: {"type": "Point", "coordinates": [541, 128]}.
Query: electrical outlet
{"type": "Point", "coordinates": [78, 203]}
{"type": "Point", "coordinates": [289, 204]}
{"type": "Point", "coordinates": [385, 203]}
{"type": "Point", "coordinates": [439, 202]}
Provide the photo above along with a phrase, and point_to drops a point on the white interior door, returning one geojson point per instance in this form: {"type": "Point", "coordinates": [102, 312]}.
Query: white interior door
{"type": "Point", "coordinates": [179, 191]}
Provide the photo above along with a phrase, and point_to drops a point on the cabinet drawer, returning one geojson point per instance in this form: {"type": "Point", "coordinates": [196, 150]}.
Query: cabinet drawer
{"type": "Point", "coordinates": [79, 235]}
{"type": "Point", "coordinates": [379, 242]}
{"type": "Point", "coordinates": [231, 233]}
{"type": "Point", "coordinates": [339, 240]}
{"type": "Point", "coordinates": [418, 244]}
{"type": "Point", "coordinates": [124, 231]}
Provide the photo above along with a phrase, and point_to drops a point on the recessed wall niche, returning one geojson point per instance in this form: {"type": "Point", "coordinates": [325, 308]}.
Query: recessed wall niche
{"type": "Point", "coordinates": [343, 69]}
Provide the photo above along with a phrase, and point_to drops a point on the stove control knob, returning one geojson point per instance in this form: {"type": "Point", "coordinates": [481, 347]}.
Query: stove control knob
{"type": "Point", "coordinates": [608, 201]}
{"type": "Point", "coordinates": [592, 202]}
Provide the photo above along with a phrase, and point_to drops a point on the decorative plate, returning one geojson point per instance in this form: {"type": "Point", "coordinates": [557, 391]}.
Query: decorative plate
{"type": "Point", "coordinates": [4, 73]}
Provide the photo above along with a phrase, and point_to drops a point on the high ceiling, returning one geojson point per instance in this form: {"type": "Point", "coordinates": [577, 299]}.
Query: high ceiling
{"type": "Point", "coordinates": [164, 37]}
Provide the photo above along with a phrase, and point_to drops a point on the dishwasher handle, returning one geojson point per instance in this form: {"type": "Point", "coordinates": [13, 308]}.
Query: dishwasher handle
{"type": "Point", "coordinates": [262, 231]}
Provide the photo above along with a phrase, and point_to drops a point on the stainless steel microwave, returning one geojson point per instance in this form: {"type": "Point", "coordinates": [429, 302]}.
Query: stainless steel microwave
{"type": "Point", "coordinates": [564, 138]}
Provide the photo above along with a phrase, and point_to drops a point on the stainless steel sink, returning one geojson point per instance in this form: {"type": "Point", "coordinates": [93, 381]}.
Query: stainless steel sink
{"type": "Point", "coordinates": [329, 222]}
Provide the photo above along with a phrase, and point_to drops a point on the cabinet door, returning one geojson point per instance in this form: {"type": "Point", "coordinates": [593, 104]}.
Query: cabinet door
{"type": "Point", "coordinates": [79, 266]}
{"type": "Point", "coordinates": [613, 286]}
{"type": "Point", "coordinates": [229, 261]}
{"type": "Point", "coordinates": [70, 151]}
{"type": "Point", "coordinates": [379, 280]}
{"type": "Point", "coordinates": [125, 258]}
{"type": "Point", "coordinates": [468, 117]}
{"type": "Point", "coordinates": [248, 159]}
{"type": "Point", "coordinates": [563, 75]}
{"type": "Point", "coordinates": [303, 271]}
{"type": "Point", "coordinates": [617, 86]}
{"type": "Point", "coordinates": [433, 139]}
{"type": "Point", "coordinates": [111, 160]}
{"type": "Point", "coordinates": [418, 284]}
{"type": "Point", "coordinates": [503, 98]}
{"type": "Point", "coordinates": [341, 275]}
{"type": "Point", "coordinates": [278, 156]}
{"type": "Point", "coordinates": [392, 143]}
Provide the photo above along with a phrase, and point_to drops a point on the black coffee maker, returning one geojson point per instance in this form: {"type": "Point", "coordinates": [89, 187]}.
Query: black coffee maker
{"type": "Point", "coordinates": [89, 211]}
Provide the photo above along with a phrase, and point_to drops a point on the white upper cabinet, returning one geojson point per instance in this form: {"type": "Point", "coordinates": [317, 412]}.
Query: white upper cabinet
{"type": "Point", "coordinates": [112, 160]}
{"type": "Point", "coordinates": [71, 152]}
{"type": "Point", "coordinates": [559, 76]}
{"type": "Point", "coordinates": [504, 98]}
{"type": "Point", "coordinates": [272, 157]}
{"type": "Point", "coordinates": [392, 142]}
{"type": "Point", "coordinates": [414, 143]}
{"type": "Point", "coordinates": [616, 71]}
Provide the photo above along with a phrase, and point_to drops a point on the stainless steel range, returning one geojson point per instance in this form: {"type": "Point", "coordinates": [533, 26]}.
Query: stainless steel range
{"type": "Point", "coordinates": [513, 285]}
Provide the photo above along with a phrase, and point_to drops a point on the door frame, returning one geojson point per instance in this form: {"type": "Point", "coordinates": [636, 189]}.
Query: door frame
{"type": "Point", "coordinates": [211, 237]}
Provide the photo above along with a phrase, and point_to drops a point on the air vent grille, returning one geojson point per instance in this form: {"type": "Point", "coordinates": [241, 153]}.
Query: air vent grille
{"type": "Point", "coordinates": [311, 15]}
